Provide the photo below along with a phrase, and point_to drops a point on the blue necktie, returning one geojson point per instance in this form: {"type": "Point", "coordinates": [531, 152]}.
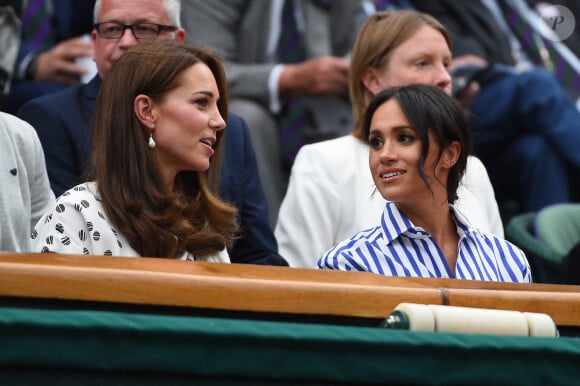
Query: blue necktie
{"type": "Point", "coordinates": [37, 29]}
{"type": "Point", "coordinates": [295, 114]}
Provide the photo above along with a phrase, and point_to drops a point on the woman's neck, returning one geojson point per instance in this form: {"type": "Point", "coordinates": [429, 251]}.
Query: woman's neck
{"type": "Point", "coordinates": [436, 219]}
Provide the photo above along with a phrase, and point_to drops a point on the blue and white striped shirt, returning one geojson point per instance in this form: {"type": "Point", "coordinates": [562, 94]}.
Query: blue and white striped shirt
{"type": "Point", "coordinates": [398, 248]}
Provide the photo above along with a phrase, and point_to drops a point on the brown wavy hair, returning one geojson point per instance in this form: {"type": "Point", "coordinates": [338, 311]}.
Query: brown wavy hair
{"type": "Point", "coordinates": [157, 222]}
{"type": "Point", "coordinates": [380, 34]}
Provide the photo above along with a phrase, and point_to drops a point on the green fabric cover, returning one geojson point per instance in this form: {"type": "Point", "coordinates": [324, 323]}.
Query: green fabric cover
{"type": "Point", "coordinates": [545, 261]}
{"type": "Point", "coordinates": [73, 346]}
{"type": "Point", "coordinates": [559, 226]}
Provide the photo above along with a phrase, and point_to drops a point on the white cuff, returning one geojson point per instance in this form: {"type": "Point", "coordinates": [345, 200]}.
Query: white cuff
{"type": "Point", "coordinates": [20, 73]}
{"type": "Point", "coordinates": [275, 104]}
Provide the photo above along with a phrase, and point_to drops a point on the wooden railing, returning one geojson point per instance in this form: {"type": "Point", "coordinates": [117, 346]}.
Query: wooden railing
{"type": "Point", "coordinates": [248, 288]}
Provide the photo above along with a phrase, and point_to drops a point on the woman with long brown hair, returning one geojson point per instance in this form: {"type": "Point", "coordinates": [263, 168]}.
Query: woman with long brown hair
{"type": "Point", "coordinates": [156, 151]}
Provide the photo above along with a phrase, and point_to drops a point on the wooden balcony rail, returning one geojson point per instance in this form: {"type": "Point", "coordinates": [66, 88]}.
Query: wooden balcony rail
{"type": "Point", "coordinates": [259, 289]}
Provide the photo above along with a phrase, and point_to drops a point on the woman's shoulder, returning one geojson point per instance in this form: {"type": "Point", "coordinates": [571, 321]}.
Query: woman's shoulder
{"type": "Point", "coordinates": [343, 154]}
{"type": "Point", "coordinates": [330, 146]}
{"type": "Point", "coordinates": [492, 240]}
{"type": "Point", "coordinates": [82, 199]}
{"type": "Point", "coordinates": [355, 242]}
{"type": "Point", "coordinates": [475, 168]}
{"type": "Point", "coordinates": [87, 191]}
{"type": "Point", "coordinates": [356, 249]}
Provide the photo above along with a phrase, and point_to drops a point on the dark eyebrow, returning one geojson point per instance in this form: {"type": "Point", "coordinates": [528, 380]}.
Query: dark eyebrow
{"type": "Point", "coordinates": [396, 128]}
{"type": "Point", "coordinates": [204, 92]}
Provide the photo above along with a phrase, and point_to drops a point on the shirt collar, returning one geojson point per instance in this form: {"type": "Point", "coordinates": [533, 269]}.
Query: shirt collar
{"type": "Point", "coordinates": [394, 224]}
{"type": "Point", "coordinates": [464, 227]}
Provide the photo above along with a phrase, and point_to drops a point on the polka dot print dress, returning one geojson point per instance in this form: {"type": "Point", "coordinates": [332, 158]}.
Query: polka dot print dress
{"type": "Point", "coordinates": [78, 225]}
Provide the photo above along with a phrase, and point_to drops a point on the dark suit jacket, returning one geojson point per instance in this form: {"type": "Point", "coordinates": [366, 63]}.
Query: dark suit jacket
{"type": "Point", "coordinates": [64, 122]}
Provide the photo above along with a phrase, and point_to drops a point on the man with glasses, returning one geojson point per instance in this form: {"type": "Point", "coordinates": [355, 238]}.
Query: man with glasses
{"type": "Point", "coordinates": [64, 122]}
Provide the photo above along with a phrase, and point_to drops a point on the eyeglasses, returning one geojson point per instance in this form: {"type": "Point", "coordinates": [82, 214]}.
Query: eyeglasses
{"type": "Point", "coordinates": [114, 30]}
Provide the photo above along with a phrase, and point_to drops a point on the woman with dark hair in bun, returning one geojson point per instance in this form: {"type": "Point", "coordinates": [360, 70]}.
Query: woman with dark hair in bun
{"type": "Point", "coordinates": [419, 143]}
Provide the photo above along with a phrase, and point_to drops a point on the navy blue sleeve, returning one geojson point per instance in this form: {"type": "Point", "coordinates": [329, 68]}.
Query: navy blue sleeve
{"type": "Point", "coordinates": [241, 186]}
{"type": "Point", "coordinates": [64, 134]}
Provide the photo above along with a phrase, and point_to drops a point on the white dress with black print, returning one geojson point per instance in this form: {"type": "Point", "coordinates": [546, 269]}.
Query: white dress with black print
{"type": "Point", "coordinates": [78, 225]}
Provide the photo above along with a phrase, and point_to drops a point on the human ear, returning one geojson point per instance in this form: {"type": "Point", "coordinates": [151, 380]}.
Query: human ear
{"type": "Point", "coordinates": [180, 35]}
{"type": "Point", "coordinates": [372, 80]}
{"type": "Point", "coordinates": [143, 106]}
{"type": "Point", "coordinates": [451, 154]}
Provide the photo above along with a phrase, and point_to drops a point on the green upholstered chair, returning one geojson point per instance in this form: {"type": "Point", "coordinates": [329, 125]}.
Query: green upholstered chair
{"type": "Point", "coordinates": [546, 237]}
{"type": "Point", "coordinates": [559, 226]}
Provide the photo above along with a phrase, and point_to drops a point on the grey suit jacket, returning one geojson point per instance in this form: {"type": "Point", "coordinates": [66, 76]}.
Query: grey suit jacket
{"type": "Point", "coordinates": [238, 30]}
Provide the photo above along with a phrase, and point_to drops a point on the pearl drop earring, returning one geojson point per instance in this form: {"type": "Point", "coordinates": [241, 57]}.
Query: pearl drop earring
{"type": "Point", "coordinates": [151, 143]}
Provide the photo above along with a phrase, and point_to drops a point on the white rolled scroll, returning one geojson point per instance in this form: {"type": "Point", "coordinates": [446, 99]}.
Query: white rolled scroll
{"type": "Point", "coordinates": [437, 318]}
{"type": "Point", "coordinates": [541, 324]}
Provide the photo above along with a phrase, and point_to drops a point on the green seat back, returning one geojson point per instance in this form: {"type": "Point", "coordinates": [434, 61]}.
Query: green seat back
{"type": "Point", "coordinates": [545, 261]}
{"type": "Point", "coordinates": [558, 226]}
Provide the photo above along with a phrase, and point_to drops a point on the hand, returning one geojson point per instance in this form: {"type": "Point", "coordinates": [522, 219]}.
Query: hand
{"type": "Point", "coordinates": [58, 63]}
{"type": "Point", "coordinates": [326, 75]}
{"type": "Point", "coordinates": [467, 96]}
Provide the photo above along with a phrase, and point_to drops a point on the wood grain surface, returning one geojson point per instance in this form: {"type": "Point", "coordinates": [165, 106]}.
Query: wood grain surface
{"type": "Point", "coordinates": [235, 287]}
